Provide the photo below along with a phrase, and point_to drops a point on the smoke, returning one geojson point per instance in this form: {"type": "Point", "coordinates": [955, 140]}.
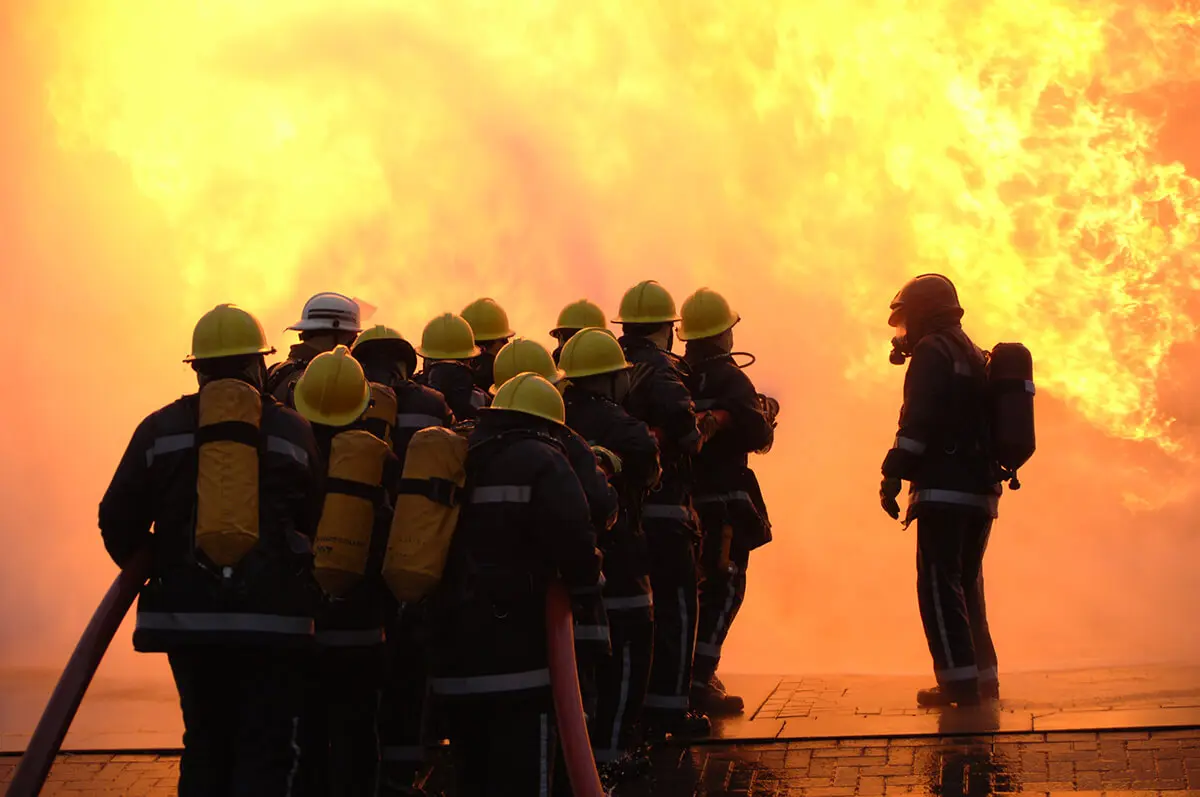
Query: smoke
{"type": "Point", "coordinates": [411, 158]}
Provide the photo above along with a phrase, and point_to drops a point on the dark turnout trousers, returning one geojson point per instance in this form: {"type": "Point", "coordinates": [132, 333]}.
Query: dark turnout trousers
{"type": "Point", "coordinates": [621, 682]}
{"type": "Point", "coordinates": [240, 709]}
{"type": "Point", "coordinates": [722, 593]}
{"type": "Point", "coordinates": [339, 741]}
{"type": "Point", "coordinates": [502, 745]}
{"type": "Point", "coordinates": [673, 577]}
{"type": "Point", "coordinates": [951, 542]}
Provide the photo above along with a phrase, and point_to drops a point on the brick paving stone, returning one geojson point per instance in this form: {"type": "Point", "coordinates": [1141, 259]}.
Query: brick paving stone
{"type": "Point", "coordinates": [1029, 763]}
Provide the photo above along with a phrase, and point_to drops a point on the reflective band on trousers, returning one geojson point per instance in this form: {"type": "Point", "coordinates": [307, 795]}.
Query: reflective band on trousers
{"type": "Point", "coordinates": [667, 701]}
{"type": "Point", "coordinates": [343, 638]}
{"type": "Point", "coordinates": [956, 674]}
{"type": "Point", "coordinates": [631, 602]}
{"type": "Point", "coordinates": [989, 502]}
{"type": "Point", "coordinates": [502, 494]}
{"type": "Point", "coordinates": [416, 420]}
{"type": "Point", "coordinates": [722, 498]}
{"type": "Point", "coordinates": [908, 444]}
{"type": "Point", "coordinates": [1029, 388]}
{"type": "Point", "coordinates": [591, 633]}
{"type": "Point", "coordinates": [708, 650]}
{"type": "Point", "coordinates": [487, 684]}
{"type": "Point", "coordinates": [218, 621]}
{"type": "Point", "coordinates": [169, 443]}
{"type": "Point", "coordinates": [667, 512]}
{"type": "Point", "coordinates": [990, 675]}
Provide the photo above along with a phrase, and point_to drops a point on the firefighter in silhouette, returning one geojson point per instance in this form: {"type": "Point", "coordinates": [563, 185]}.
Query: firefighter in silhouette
{"type": "Point", "coordinates": [328, 320]}
{"type": "Point", "coordinates": [448, 347]}
{"type": "Point", "coordinates": [524, 522]}
{"type": "Point", "coordinates": [659, 396]}
{"type": "Point", "coordinates": [339, 742]}
{"type": "Point", "coordinates": [942, 450]}
{"type": "Point", "coordinates": [598, 382]}
{"type": "Point", "coordinates": [489, 324]}
{"type": "Point", "coordinates": [733, 515]}
{"type": "Point", "coordinates": [592, 643]}
{"type": "Point", "coordinates": [230, 482]}
{"type": "Point", "coordinates": [578, 315]}
{"type": "Point", "coordinates": [389, 362]}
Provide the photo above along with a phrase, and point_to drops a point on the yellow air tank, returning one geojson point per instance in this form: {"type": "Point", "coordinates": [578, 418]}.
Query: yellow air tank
{"type": "Point", "coordinates": [426, 512]}
{"type": "Point", "coordinates": [343, 544]}
{"type": "Point", "coordinates": [227, 474]}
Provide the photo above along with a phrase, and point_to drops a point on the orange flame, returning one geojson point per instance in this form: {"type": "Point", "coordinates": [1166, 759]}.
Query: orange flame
{"type": "Point", "coordinates": [532, 146]}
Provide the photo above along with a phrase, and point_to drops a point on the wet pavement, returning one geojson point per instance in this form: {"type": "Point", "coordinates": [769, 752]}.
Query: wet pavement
{"type": "Point", "coordinates": [1113, 762]}
{"type": "Point", "coordinates": [143, 714]}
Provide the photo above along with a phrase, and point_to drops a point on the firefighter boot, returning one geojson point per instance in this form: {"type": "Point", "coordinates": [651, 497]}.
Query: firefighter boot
{"type": "Point", "coordinates": [712, 699]}
{"type": "Point", "coordinates": [951, 693]}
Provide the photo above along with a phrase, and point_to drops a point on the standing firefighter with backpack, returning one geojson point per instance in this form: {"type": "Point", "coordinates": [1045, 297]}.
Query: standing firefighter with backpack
{"type": "Point", "coordinates": [733, 515]}
{"type": "Point", "coordinates": [448, 348]}
{"type": "Point", "coordinates": [400, 407]}
{"type": "Point", "coordinates": [230, 482]}
{"type": "Point", "coordinates": [598, 381]}
{"type": "Point", "coordinates": [327, 320]}
{"type": "Point", "coordinates": [339, 742]}
{"type": "Point", "coordinates": [661, 399]}
{"type": "Point", "coordinates": [524, 522]}
{"type": "Point", "coordinates": [945, 447]}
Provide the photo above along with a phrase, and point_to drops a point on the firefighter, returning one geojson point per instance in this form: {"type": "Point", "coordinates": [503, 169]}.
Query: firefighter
{"type": "Point", "coordinates": [339, 741]}
{"type": "Point", "coordinates": [230, 482]}
{"type": "Point", "coordinates": [733, 515]}
{"type": "Point", "coordinates": [389, 361]}
{"type": "Point", "coordinates": [524, 521]}
{"type": "Point", "coordinates": [489, 323]}
{"type": "Point", "coordinates": [659, 396]}
{"type": "Point", "coordinates": [327, 320]}
{"type": "Point", "coordinates": [598, 382]}
{"type": "Point", "coordinates": [592, 643]}
{"type": "Point", "coordinates": [448, 347]}
{"type": "Point", "coordinates": [574, 317]}
{"type": "Point", "coordinates": [942, 450]}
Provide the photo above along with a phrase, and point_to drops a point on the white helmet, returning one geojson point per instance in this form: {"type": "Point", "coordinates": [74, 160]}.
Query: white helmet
{"type": "Point", "coordinates": [329, 311]}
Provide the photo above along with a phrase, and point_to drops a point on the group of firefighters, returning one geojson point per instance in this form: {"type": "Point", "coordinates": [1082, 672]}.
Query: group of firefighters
{"type": "Point", "coordinates": [611, 464]}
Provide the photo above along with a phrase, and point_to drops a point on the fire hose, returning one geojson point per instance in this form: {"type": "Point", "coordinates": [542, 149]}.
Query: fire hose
{"type": "Point", "coordinates": [568, 703]}
{"type": "Point", "coordinates": [68, 693]}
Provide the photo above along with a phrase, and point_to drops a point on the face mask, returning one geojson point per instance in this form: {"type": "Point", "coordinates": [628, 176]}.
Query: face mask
{"type": "Point", "coordinates": [901, 351]}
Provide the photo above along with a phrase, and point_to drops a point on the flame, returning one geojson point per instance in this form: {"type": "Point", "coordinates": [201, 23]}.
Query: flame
{"type": "Point", "coordinates": [536, 147]}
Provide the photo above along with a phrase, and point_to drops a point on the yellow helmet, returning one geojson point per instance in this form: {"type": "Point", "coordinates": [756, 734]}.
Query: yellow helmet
{"type": "Point", "coordinates": [333, 390]}
{"type": "Point", "coordinates": [227, 331]}
{"type": "Point", "coordinates": [706, 314]}
{"type": "Point", "coordinates": [448, 337]}
{"type": "Point", "coordinates": [532, 395]}
{"type": "Point", "coordinates": [579, 315]}
{"type": "Point", "coordinates": [488, 320]}
{"type": "Point", "coordinates": [520, 355]}
{"type": "Point", "coordinates": [591, 352]}
{"type": "Point", "coordinates": [390, 343]}
{"type": "Point", "coordinates": [646, 303]}
{"type": "Point", "coordinates": [377, 332]}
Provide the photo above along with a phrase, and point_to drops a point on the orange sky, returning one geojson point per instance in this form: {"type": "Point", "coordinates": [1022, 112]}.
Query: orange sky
{"type": "Point", "coordinates": [802, 158]}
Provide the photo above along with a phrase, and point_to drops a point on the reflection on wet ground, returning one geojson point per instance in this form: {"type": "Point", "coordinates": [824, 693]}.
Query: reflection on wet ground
{"type": "Point", "coordinates": [1158, 761]}
{"type": "Point", "coordinates": [1164, 762]}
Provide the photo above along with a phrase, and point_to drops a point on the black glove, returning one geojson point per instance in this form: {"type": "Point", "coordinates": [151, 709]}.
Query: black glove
{"type": "Point", "coordinates": [889, 488]}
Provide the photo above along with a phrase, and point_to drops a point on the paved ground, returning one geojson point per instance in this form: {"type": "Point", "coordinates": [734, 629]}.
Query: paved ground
{"type": "Point", "coordinates": [139, 711]}
{"type": "Point", "coordinates": [1162, 762]}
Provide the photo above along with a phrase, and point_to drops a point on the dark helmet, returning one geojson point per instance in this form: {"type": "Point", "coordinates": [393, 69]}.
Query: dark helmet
{"type": "Point", "coordinates": [923, 297]}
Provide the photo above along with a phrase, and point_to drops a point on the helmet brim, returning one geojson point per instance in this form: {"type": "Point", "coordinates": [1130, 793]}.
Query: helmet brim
{"type": "Point", "coordinates": [262, 351]}
{"type": "Point", "coordinates": [710, 333]}
{"type": "Point", "coordinates": [442, 355]}
{"type": "Point", "coordinates": [313, 415]}
{"type": "Point", "coordinates": [559, 376]}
